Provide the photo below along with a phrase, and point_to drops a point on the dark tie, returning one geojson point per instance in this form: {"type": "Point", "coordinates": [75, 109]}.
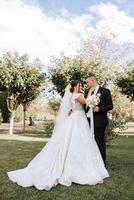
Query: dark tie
{"type": "Point", "coordinates": [92, 93]}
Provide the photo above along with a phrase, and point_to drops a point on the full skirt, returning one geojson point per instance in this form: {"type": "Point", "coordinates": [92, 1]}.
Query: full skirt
{"type": "Point", "coordinates": [71, 155]}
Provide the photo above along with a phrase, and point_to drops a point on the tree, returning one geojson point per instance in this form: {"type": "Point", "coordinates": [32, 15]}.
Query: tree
{"type": "Point", "coordinates": [67, 69]}
{"type": "Point", "coordinates": [33, 82]}
{"type": "Point", "coordinates": [126, 83]}
{"type": "Point", "coordinates": [21, 81]}
{"type": "Point", "coordinates": [99, 53]}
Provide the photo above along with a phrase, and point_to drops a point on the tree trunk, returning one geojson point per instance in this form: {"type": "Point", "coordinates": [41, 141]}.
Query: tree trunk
{"type": "Point", "coordinates": [11, 122]}
{"type": "Point", "coordinates": [24, 117]}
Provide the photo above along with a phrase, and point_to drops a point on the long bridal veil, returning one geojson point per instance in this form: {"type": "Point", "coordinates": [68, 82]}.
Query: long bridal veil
{"type": "Point", "coordinates": [64, 107]}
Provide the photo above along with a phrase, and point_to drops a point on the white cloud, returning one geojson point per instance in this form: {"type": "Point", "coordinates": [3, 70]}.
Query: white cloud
{"type": "Point", "coordinates": [26, 28]}
{"type": "Point", "coordinates": [115, 21]}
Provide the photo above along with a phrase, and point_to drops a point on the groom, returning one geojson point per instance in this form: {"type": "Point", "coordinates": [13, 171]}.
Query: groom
{"type": "Point", "coordinates": [100, 113]}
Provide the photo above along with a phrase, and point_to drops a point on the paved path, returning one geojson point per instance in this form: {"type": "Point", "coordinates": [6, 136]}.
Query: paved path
{"type": "Point", "coordinates": [34, 139]}
{"type": "Point", "coordinates": [4, 130]}
{"type": "Point", "coordinates": [126, 134]}
{"type": "Point", "coordinates": [4, 127]}
{"type": "Point", "coordinates": [22, 138]}
{"type": "Point", "coordinates": [129, 131]}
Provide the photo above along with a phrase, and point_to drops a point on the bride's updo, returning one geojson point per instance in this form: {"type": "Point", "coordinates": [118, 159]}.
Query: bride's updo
{"type": "Point", "coordinates": [73, 85]}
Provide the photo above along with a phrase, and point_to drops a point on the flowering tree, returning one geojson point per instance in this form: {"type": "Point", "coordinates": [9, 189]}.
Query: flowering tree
{"type": "Point", "coordinates": [99, 54]}
{"type": "Point", "coordinates": [126, 83]}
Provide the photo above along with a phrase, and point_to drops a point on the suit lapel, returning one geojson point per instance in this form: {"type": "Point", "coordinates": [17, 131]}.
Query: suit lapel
{"type": "Point", "coordinates": [99, 90]}
{"type": "Point", "coordinates": [86, 93]}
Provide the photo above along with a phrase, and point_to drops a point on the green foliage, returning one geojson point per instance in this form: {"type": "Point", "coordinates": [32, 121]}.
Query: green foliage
{"type": "Point", "coordinates": [32, 85]}
{"type": "Point", "coordinates": [121, 113]}
{"type": "Point", "coordinates": [48, 127]}
{"type": "Point", "coordinates": [126, 83]}
{"type": "Point", "coordinates": [19, 79]}
{"type": "Point", "coordinates": [121, 105]}
{"type": "Point", "coordinates": [67, 69]}
{"type": "Point", "coordinates": [3, 107]}
{"type": "Point", "coordinates": [54, 105]}
{"type": "Point", "coordinates": [111, 129]}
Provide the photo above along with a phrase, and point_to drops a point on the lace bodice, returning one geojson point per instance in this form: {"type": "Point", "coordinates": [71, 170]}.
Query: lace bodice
{"type": "Point", "coordinates": [76, 106]}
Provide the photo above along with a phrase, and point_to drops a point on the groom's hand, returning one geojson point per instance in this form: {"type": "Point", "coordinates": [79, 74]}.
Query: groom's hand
{"type": "Point", "coordinates": [95, 109]}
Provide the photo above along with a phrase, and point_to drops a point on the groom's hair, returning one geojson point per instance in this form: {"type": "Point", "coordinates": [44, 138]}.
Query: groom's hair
{"type": "Point", "coordinates": [91, 75]}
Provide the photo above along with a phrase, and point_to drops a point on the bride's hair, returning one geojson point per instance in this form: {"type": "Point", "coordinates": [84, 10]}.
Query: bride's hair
{"type": "Point", "coordinates": [74, 84]}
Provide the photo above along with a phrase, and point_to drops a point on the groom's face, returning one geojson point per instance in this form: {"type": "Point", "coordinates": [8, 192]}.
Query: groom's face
{"type": "Point", "coordinates": [90, 82]}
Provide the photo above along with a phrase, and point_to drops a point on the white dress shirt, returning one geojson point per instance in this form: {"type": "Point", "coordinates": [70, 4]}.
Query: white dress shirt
{"type": "Point", "coordinates": [94, 93]}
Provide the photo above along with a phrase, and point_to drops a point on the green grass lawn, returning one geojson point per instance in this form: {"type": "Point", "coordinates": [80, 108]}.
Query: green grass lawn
{"type": "Point", "coordinates": [120, 186]}
{"type": "Point", "coordinates": [32, 133]}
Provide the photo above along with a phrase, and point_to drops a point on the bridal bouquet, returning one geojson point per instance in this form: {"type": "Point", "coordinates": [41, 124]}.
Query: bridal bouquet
{"type": "Point", "coordinates": [93, 100]}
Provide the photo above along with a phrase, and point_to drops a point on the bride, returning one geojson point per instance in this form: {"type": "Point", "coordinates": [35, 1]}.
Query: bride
{"type": "Point", "coordinates": [71, 155]}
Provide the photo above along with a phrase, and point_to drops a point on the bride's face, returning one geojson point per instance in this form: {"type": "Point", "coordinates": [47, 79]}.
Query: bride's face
{"type": "Point", "coordinates": [79, 87]}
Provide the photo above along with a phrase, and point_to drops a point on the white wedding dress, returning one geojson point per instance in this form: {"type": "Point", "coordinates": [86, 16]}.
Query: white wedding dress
{"type": "Point", "coordinates": [71, 155]}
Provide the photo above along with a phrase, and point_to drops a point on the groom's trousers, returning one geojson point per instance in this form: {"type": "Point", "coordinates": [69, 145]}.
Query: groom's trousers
{"type": "Point", "coordinates": [99, 133]}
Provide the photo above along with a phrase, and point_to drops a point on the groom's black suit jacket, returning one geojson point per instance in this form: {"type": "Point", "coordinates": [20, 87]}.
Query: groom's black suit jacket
{"type": "Point", "coordinates": [100, 118]}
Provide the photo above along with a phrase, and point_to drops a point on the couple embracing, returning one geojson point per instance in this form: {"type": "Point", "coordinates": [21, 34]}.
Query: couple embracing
{"type": "Point", "coordinates": [76, 152]}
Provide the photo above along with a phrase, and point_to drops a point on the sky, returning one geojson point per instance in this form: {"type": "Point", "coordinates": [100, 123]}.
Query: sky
{"type": "Point", "coordinates": [46, 28]}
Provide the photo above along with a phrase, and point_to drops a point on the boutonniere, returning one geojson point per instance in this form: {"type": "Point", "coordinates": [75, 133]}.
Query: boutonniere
{"type": "Point", "coordinates": [98, 94]}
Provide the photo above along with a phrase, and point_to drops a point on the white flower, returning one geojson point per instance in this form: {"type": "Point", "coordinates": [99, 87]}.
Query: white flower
{"type": "Point", "coordinates": [93, 100]}
{"type": "Point", "coordinates": [98, 94]}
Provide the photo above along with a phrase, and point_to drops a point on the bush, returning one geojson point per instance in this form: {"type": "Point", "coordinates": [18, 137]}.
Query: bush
{"type": "Point", "coordinates": [48, 127]}
{"type": "Point", "coordinates": [111, 129]}
{"type": "Point", "coordinates": [121, 113]}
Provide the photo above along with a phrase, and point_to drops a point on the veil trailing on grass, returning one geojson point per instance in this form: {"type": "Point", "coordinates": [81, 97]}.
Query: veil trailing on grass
{"type": "Point", "coordinates": [64, 107]}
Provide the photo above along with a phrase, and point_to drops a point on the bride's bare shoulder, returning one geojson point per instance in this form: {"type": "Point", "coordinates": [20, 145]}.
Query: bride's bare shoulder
{"type": "Point", "coordinates": [79, 97]}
